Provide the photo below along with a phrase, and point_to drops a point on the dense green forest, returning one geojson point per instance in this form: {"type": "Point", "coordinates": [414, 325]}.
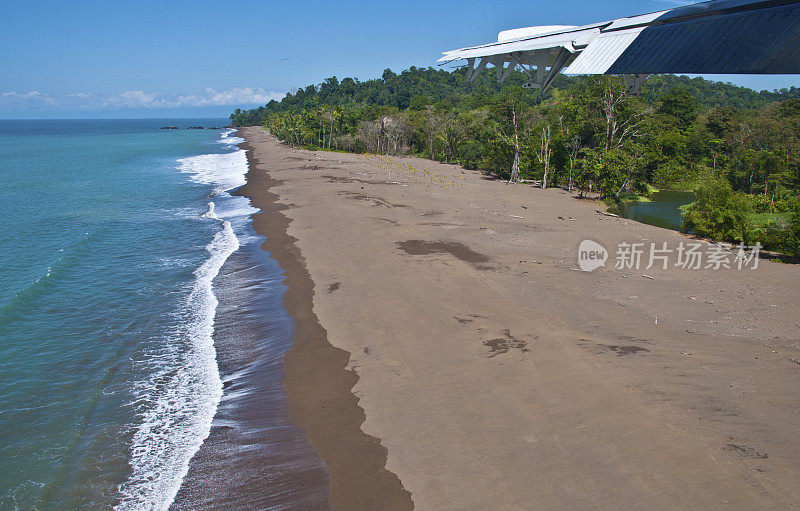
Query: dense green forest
{"type": "Point", "coordinates": [737, 148]}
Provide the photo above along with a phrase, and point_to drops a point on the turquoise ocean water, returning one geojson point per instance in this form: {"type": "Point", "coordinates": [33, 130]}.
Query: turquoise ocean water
{"type": "Point", "coordinates": [113, 235]}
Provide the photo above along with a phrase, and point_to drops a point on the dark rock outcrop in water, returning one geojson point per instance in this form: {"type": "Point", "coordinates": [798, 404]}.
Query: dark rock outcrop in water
{"type": "Point", "coordinates": [194, 128]}
{"type": "Point", "coordinates": [169, 127]}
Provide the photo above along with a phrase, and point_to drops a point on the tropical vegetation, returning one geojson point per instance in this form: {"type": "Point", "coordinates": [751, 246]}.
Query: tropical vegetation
{"type": "Point", "coordinates": [738, 148]}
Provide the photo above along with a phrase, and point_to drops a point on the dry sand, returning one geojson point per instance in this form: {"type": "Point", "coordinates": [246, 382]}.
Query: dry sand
{"type": "Point", "coordinates": [499, 377]}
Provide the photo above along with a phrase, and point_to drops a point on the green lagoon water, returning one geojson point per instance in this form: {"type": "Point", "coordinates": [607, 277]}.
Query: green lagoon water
{"type": "Point", "coordinates": [663, 211]}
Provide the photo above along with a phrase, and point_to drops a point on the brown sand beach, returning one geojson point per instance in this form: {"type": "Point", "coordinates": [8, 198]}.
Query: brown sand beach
{"type": "Point", "coordinates": [449, 355]}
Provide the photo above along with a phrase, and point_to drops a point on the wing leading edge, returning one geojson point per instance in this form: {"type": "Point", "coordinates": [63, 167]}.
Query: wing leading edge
{"type": "Point", "coordinates": [716, 37]}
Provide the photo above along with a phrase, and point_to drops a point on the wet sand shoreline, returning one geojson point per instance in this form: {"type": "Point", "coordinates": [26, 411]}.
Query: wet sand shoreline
{"type": "Point", "coordinates": [316, 376]}
{"type": "Point", "coordinates": [497, 376]}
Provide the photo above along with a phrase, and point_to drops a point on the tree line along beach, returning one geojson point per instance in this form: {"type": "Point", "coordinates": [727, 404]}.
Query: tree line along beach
{"type": "Point", "coordinates": [736, 148]}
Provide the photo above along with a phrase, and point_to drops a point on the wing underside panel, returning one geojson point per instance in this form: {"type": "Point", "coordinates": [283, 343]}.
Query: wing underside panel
{"type": "Point", "coordinates": [757, 42]}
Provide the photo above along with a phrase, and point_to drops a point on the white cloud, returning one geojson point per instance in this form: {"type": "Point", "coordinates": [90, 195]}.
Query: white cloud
{"type": "Point", "coordinates": [33, 95]}
{"type": "Point", "coordinates": [237, 96]}
{"type": "Point", "coordinates": [137, 99]}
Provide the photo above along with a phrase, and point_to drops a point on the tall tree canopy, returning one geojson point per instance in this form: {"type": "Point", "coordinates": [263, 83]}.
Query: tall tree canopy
{"type": "Point", "coordinates": [586, 133]}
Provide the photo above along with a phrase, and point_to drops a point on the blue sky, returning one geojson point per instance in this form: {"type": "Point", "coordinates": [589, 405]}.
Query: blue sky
{"type": "Point", "coordinates": [201, 58]}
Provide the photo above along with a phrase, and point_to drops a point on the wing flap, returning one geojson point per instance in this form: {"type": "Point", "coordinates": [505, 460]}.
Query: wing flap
{"type": "Point", "coordinates": [603, 52]}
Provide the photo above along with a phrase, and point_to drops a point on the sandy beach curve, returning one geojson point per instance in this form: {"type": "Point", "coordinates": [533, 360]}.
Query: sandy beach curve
{"type": "Point", "coordinates": [449, 355]}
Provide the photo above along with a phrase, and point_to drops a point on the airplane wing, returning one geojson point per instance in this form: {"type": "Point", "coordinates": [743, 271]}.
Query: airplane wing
{"type": "Point", "coordinates": [715, 37]}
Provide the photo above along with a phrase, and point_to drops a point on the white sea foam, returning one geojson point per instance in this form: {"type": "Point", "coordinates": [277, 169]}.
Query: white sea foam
{"type": "Point", "coordinates": [229, 140]}
{"type": "Point", "coordinates": [232, 140]}
{"type": "Point", "coordinates": [239, 207]}
{"type": "Point", "coordinates": [177, 404]}
{"type": "Point", "coordinates": [211, 213]}
{"type": "Point", "coordinates": [179, 401]}
{"type": "Point", "coordinates": [223, 171]}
